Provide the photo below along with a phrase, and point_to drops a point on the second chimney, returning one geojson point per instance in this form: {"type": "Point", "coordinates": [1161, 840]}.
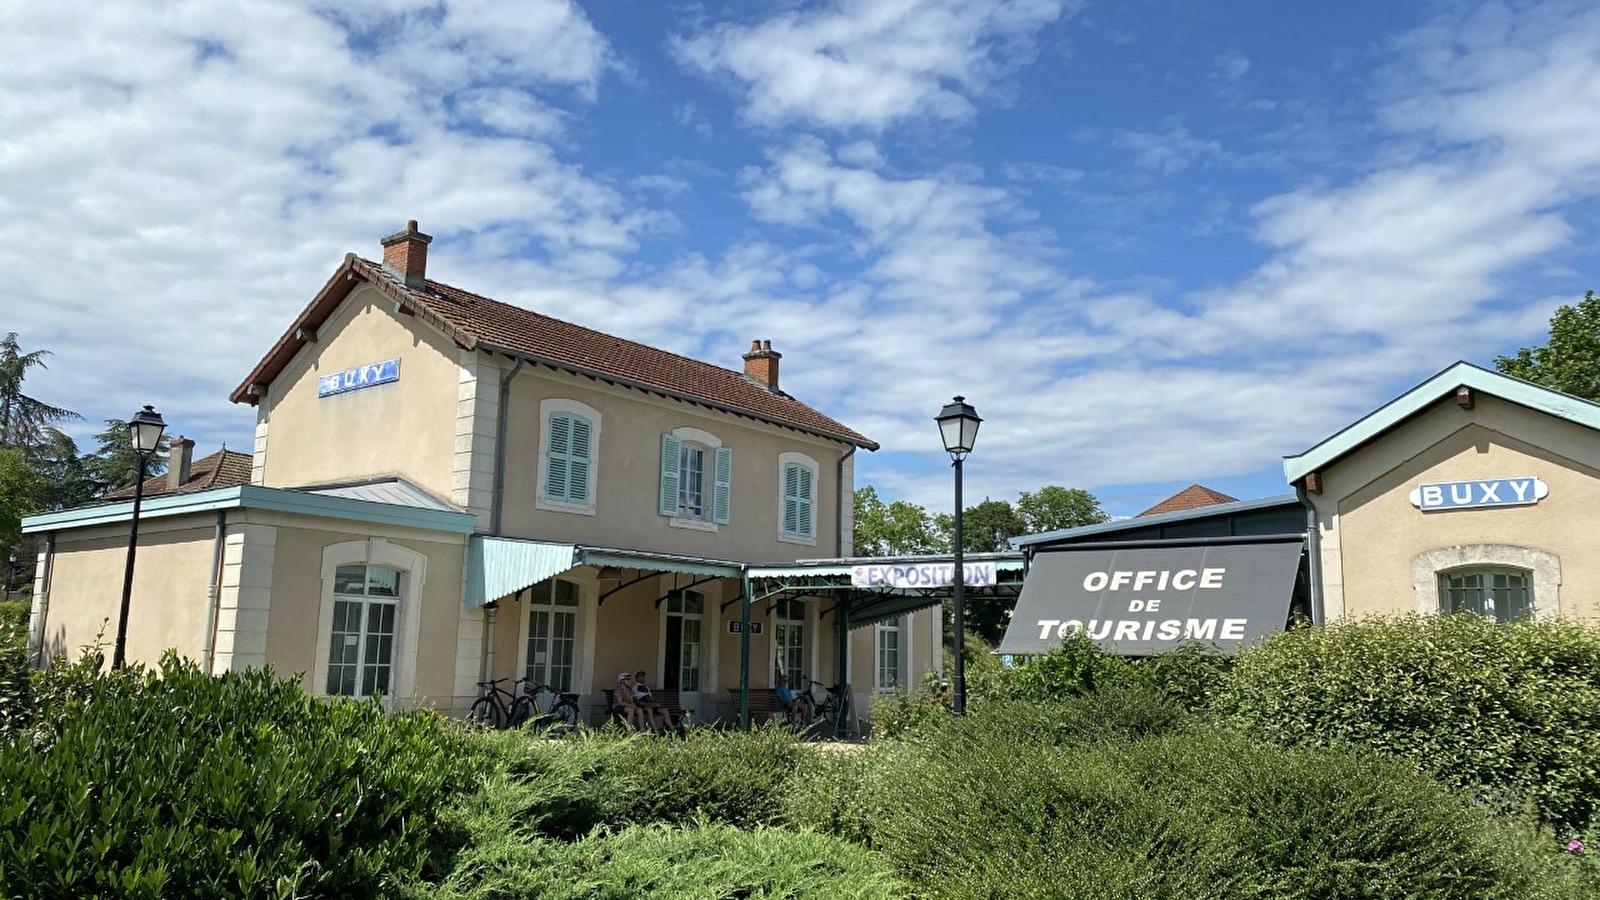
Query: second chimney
{"type": "Point", "coordinates": [405, 253]}
{"type": "Point", "coordinates": [761, 364]}
{"type": "Point", "coordinates": [180, 457]}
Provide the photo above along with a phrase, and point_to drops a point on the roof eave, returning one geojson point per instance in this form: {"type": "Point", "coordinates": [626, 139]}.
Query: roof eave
{"type": "Point", "coordinates": [539, 359]}
{"type": "Point", "coordinates": [1460, 374]}
{"type": "Point", "coordinates": [303, 329]}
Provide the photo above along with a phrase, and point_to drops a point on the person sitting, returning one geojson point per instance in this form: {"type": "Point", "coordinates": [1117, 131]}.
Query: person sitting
{"type": "Point", "coordinates": [623, 702]}
{"type": "Point", "coordinates": [647, 703]}
{"type": "Point", "coordinates": [794, 707]}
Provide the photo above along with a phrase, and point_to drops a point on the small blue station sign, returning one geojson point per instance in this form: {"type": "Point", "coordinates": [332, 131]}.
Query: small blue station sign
{"type": "Point", "coordinates": [1479, 492]}
{"type": "Point", "coordinates": [360, 377]}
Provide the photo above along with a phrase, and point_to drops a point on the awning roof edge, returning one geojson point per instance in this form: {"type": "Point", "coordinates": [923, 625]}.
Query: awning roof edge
{"type": "Point", "coordinates": [498, 566]}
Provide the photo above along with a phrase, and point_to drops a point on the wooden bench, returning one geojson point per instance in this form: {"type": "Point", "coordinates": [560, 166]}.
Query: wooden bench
{"type": "Point", "coordinates": [666, 697]}
{"type": "Point", "coordinates": [763, 702]}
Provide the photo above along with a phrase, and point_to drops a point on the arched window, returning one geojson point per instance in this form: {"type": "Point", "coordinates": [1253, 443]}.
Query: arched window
{"type": "Point", "coordinates": [369, 622]}
{"type": "Point", "coordinates": [361, 652]}
{"type": "Point", "coordinates": [1506, 595]}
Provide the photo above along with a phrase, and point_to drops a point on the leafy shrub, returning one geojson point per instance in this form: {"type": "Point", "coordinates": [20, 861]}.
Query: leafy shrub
{"type": "Point", "coordinates": [989, 806]}
{"type": "Point", "coordinates": [16, 672]}
{"type": "Point", "coordinates": [177, 784]}
{"type": "Point", "coordinates": [1511, 712]}
{"type": "Point", "coordinates": [655, 861]}
{"type": "Point", "coordinates": [565, 789]}
{"type": "Point", "coordinates": [1189, 675]}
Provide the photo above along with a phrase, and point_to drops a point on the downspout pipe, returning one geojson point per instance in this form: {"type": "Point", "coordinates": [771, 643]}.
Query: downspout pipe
{"type": "Point", "coordinates": [214, 592]}
{"type": "Point", "coordinates": [503, 419]}
{"type": "Point", "coordinates": [838, 525]}
{"type": "Point", "coordinates": [1313, 555]}
{"type": "Point", "coordinates": [37, 633]}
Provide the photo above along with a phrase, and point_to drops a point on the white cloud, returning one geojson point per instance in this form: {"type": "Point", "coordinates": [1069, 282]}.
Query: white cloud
{"type": "Point", "coordinates": [176, 185]}
{"type": "Point", "coordinates": [870, 63]}
{"type": "Point", "coordinates": [1168, 151]}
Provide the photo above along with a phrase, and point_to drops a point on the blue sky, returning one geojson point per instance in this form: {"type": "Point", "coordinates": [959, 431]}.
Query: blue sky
{"type": "Point", "coordinates": [1153, 243]}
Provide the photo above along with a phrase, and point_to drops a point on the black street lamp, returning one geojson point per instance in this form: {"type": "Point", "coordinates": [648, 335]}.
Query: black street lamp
{"type": "Point", "coordinates": [144, 432]}
{"type": "Point", "coordinates": [958, 426]}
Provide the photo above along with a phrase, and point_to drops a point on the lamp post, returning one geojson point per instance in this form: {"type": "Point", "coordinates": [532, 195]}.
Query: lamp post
{"type": "Point", "coordinates": [958, 426]}
{"type": "Point", "coordinates": [144, 432]}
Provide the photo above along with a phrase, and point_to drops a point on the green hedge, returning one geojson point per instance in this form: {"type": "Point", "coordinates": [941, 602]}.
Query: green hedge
{"type": "Point", "coordinates": [1009, 803]}
{"type": "Point", "coordinates": [1510, 712]}
{"type": "Point", "coordinates": [175, 784]}
{"type": "Point", "coordinates": [644, 862]}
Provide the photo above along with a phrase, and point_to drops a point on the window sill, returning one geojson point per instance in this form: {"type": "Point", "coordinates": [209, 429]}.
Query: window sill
{"type": "Point", "coordinates": [796, 539]}
{"type": "Point", "coordinates": [692, 524]}
{"type": "Point", "coordinates": [557, 506]}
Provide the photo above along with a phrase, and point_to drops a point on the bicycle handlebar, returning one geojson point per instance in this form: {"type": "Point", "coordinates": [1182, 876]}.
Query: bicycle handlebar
{"type": "Point", "coordinates": [492, 681]}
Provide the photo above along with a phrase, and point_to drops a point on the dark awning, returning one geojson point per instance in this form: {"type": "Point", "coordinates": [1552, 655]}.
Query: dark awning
{"type": "Point", "coordinates": [1143, 600]}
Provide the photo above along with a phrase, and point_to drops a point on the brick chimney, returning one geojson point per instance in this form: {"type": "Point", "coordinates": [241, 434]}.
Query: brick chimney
{"type": "Point", "coordinates": [180, 456]}
{"type": "Point", "coordinates": [405, 253]}
{"type": "Point", "coordinates": [761, 364]}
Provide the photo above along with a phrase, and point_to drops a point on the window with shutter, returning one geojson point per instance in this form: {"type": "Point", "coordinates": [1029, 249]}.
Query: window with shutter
{"type": "Point", "coordinates": [570, 443]}
{"type": "Point", "coordinates": [797, 484]}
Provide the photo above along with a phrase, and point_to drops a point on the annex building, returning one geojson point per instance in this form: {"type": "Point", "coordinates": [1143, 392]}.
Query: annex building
{"type": "Point", "coordinates": [445, 487]}
{"type": "Point", "coordinates": [1471, 491]}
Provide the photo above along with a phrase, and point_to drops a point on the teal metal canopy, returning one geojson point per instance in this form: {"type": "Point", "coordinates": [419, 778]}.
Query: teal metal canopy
{"type": "Point", "coordinates": [497, 566]}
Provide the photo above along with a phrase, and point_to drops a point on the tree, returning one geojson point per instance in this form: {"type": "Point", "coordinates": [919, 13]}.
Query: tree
{"type": "Point", "coordinates": [1055, 507]}
{"type": "Point", "coordinates": [23, 418]}
{"type": "Point", "coordinates": [19, 491]}
{"type": "Point", "coordinates": [111, 466]}
{"type": "Point", "coordinates": [1570, 362]}
{"type": "Point", "coordinates": [901, 528]}
{"type": "Point", "coordinates": [987, 527]}
{"type": "Point", "coordinates": [67, 482]}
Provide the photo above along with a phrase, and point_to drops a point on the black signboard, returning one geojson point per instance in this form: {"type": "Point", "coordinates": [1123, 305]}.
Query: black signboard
{"type": "Point", "coordinates": [1145, 600]}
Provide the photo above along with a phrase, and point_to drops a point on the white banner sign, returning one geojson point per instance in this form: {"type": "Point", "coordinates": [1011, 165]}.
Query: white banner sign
{"type": "Point", "coordinates": [922, 575]}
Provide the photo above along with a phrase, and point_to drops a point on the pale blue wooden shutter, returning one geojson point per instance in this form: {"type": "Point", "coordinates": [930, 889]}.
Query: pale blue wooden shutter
{"type": "Point", "coordinates": [670, 453]}
{"type": "Point", "coordinates": [804, 504]}
{"type": "Point", "coordinates": [724, 486]}
{"type": "Point", "coordinates": [791, 499]}
{"type": "Point", "coordinates": [579, 462]}
{"type": "Point", "coordinates": [558, 457]}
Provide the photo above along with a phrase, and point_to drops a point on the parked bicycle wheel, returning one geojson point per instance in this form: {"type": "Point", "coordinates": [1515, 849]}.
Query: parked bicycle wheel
{"type": "Point", "coordinates": [565, 714]}
{"type": "Point", "coordinates": [521, 711]}
{"type": "Point", "coordinates": [485, 714]}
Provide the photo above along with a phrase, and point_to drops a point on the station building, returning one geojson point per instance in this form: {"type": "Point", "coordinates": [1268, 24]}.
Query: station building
{"type": "Point", "coordinates": [446, 488]}
{"type": "Point", "coordinates": [1471, 491]}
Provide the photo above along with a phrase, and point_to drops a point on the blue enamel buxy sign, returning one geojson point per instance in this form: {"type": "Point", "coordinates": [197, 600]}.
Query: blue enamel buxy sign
{"type": "Point", "coordinates": [1479, 492]}
{"type": "Point", "coordinates": [360, 377]}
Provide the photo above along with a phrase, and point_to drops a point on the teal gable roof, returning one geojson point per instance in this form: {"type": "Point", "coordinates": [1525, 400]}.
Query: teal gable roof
{"type": "Point", "coordinates": [251, 496]}
{"type": "Point", "coordinates": [1462, 374]}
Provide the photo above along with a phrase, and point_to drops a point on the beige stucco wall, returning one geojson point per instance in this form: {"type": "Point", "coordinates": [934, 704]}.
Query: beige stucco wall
{"type": "Point", "coordinates": [405, 428]}
{"type": "Point", "coordinates": [628, 475]}
{"type": "Point", "coordinates": [167, 608]}
{"type": "Point", "coordinates": [298, 595]}
{"type": "Point", "coordinates": [1371, 534]}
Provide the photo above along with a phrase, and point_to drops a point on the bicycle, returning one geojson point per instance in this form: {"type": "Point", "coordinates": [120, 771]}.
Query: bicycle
{"type": "Point", "coordinates": [525, 709]}
{"type": "Point", "coordinates": [493, 711]}
{"type": "Point", "coordinates": [833, 708]}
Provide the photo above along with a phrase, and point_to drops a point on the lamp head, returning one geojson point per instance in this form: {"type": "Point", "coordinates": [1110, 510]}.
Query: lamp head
{"type": "Point", "coordinates": [958, 426]}
{"type": "Point", "coordinates": [145, 430]}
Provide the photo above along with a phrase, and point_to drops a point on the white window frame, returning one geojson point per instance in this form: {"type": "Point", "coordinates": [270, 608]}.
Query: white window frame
{"type": "Point", "coordinates": [413, 569]}
{"type": "Point", "coordinates": [710, 443]}
{"type": "Point", "coordinates": [571, 407]}
{"type": "Point", "coordinates": [901, 626]}
{"type": "Point", "coordinates": [808, 644]}
{"type": "Point", "coordinates": [799, 459]}
{"type": "Point", "coordinates": [1545, 568]}
{"type": "Point", "coordinates": [708, 646]}
{"type": "Point", "coordinates": [525, 628]}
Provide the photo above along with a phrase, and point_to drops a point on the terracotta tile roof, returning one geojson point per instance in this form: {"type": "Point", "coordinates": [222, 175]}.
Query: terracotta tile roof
{"type": "Point", "coordinates": [224, 468]}
{"type": "Point", "coordinates": [477, 322]}
{"type": "Point", "coordinates": [1194, 496]}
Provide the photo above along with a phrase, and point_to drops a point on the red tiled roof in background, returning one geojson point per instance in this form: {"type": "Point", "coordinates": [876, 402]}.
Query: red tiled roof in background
{"type": "Point", "coordinates": [1194, 496]}
{"type": "Point", "coordinates": [224, 468]}
{"type": "Point", "coordinates": [470, 320]}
